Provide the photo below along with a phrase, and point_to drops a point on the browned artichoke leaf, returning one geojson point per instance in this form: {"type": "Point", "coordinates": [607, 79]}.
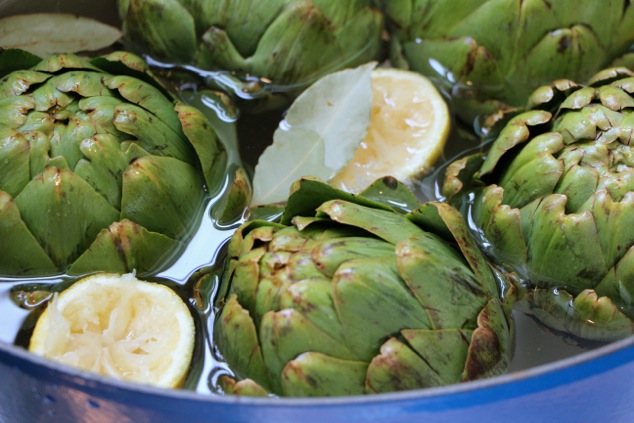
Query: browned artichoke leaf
{"type": "Point", "coordinates": [123, 248]}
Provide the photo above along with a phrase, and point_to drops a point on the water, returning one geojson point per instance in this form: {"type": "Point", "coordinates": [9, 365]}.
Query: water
{"type": "Point", "coordinates": [195, 274]}
{"type": "Point", "coordinates": [22, 301]}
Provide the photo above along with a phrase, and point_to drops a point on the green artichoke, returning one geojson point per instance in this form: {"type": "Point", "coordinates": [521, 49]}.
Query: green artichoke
{"type": "Point", "coordinates": [494, 53]}
{"type": "Point", "coordinates": [281, 42]}
{"type": "Point", "coordinates": [554, 201]}
{"type": "Point", "coordinates": [347, 296]}
{"type": "Point", "coordinates": [101, 168]}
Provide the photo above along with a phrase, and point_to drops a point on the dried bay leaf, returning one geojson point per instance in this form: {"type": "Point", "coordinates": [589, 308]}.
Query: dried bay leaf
{"type": "Point", "coordinates": [319, 134]}
{"type": "Point", "coordinates": [48, 33]}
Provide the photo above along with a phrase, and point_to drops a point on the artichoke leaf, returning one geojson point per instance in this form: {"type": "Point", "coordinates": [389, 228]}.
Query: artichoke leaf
{"type": "Point", "coordinates": [392, 192]}
{"type": "Point", "coordinates": [444, 351]}
{"type": "Point", "coordinates": [556, 308]}
{"type": "Point", "coordinates": [290, 239]}
{"type": "Point", "coordinates": [300, 266]}
{"type": "Point", "coordinates": [611, 218]}
{"type": "Point", "coordinates": [615, 98]}
{"type": "Point", "coordinates": [491, 346]}
{"type": "Point", "coordinates": [153, 135]}
{"type": "Point", "coordinates": [81, 82]}
{"type": "Point", "coordinates": [459, 176]}
{"type": "Point", "coordinates": [577, 97]}
{"type": "Point", "coordinates": [67, 139]}
{"type": "Point", "coordinates": [359, 286]}
{"type": "Point", "coordinates": [125, 63]}
{"type": "Point", "coordinates": [235, 200]}
{"type": "Point", "coordinates": [235, 333]}
{"type": "Point", "coordinates": [217, 51]}
{"type": "Point", "coordinates": [397, 368]}
{"type": "Point", "coordinates": [287, 37]}
{"type": "Point", "coordinates": [461, 57]}
{"type": "Point", "coordinates": [146, 96]}
{"type": "Point", "coordinates": [101, 110]}
{"type": "Point", "coordinates": [47, 97]}
{"type": "Point", "coordinates": [268, 295]}
{"type": "Point", "coordinates": [57, 62]}
{"type": "Point", "coordinates": [437, 275]}
{"type": "Point", "coordinates": [308, 193]}
{"type": "Point", "coordinates": [579, 184]}
{"type": "Point", "coordinates": [565, 51]}
{"type": "Point", "coordinates": [212, 158]}
{"type": "Point", "coordinates": [330, 253]}
{"type": "Point", "coordinates": [163, 194]}
{"type": "Point", "coordinates": [501, 225]}
{"type": "Point", "coordinates": [313, 298]}
{"type": "Point", "coordinates": [313, 374]}
{"type": "Point", "coordinates": [618, 284]}
{"type": "Point", "coordinates": [38, 121]}
{"type": "Point", "coordinates": [14, 110]}
{"type": "Point", "coordinates": [446, 221]}
{"type": "Point", "coordinates": [75, 213]}
{"type": "Point", "coordinates": [22, 255]}
{"type": "Point", "coordinates": [140, 17]}
{"type": "Point", "coordinates": [245, 24]}
{"type": "Point", "coordinates": [251, 233]}
{"type": "Point", "coordinates": [245, 387]}
{"type": "Point", "coordinates": [596, 310]}
{"type": "Point", "coordinates": [39, 147]}
{"type": "Point", "coordinates": [287, 333]}
{"type": "Point", "coordinates": [534, 172]}
{"type": "Point", "coordinates": [587, 124]}
{"type": "Point", "coordinates": [103, 166]}
{"type": "Point", "coordinates": [123, 248]}
{"type": "Point", "coordinates": [15, 158]}
{"type": "Point", "coordinates": [245, 277]}
{"type": "Point", "coordinates": [566, 242]}
{"type": "Point", "coordinates": [516, 132]}
{"type": "Point", "coordinates": [387, 225]}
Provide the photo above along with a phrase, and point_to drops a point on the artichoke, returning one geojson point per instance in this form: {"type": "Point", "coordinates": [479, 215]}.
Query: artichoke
{"type": "Point", "coordinates": [347, 295]}
{"type": "Point", "coordinates": [101, 168]}
{"type": "Point", "coordinates": [494, 53]}
{"type": "Point", "coordinates": [280, 42]}
{"type": "Point", "coordinates": [553, 200]}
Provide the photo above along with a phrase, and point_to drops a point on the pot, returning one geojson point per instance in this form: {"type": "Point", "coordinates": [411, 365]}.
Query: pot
{"type": "Point", "coordinates": [592, 386]}
{"type": "Point", "coordinates": [566, 384]}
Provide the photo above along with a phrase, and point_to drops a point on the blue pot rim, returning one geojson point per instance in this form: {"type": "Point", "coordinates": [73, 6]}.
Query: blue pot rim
{"type": "Point", "coordinates": [508, 386]}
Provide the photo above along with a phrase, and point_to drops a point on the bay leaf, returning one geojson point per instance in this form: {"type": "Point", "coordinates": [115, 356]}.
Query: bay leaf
{"type": "Point", "coordinates": [318, 135]}
{"type": "Point", "coordinates": [48, 33]}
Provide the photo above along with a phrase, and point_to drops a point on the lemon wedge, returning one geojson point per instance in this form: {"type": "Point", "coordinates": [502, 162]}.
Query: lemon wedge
{"type": "Point", "coordinates": [119, 326]}
{"type": "Point", "coordinates": [409, 126]}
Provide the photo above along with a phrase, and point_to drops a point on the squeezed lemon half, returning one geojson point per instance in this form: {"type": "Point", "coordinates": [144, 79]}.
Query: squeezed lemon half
{"type": "Point", "coordinates": [409, 126]}
{"type": "Point", "coordinates": [119, 326]}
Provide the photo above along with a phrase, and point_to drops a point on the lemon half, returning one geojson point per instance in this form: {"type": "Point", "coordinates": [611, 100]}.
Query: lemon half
{"type": "Point", "coordinates": [409, 126]}
{"type": "Point", "coordinates": [119, 326]}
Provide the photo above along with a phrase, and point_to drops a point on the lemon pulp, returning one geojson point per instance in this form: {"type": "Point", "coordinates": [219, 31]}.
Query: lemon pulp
{"type": "Point", "coordinates": [409, 125]}
{"type": "Point", "coordinates": [119, 326]}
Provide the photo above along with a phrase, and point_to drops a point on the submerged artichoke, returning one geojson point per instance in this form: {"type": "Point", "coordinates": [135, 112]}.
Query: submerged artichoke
{"type": "Point", "coordinates": [496, 52]}
{"type": "Point", "coordinates": [554, 200]}
{"type": "Point", "coordinates": [101, 169]}
{"type": "Point", "coordinates": [283, 42]}
{"type": "Point", "coordinates": [348, 296]}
